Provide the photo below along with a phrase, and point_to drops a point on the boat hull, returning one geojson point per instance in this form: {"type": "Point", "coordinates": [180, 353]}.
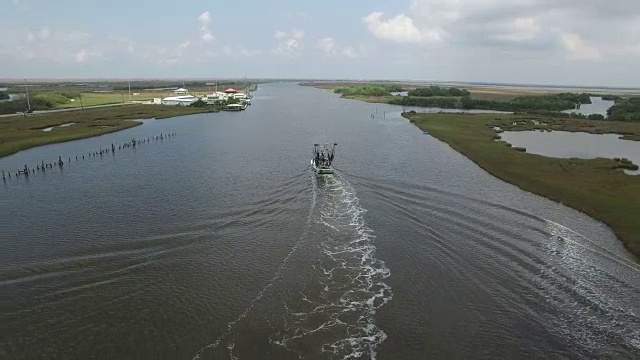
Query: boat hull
{"type": "Point", "coordinates": [321, 171]}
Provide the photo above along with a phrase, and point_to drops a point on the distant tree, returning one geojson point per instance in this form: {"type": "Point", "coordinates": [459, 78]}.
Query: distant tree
{"type": "Point", "coordinates": [625, 110]}
{"type": "Point", "coordinates": [611, 97]}
{"type": "Point", "coordinates": [435, 90]}
{"type": "Point", "coordinates": [595, 117]}
{"type": "Point", "coordinates": [4, 96]}
{"type": "Point", "coordinates": [199, 104]}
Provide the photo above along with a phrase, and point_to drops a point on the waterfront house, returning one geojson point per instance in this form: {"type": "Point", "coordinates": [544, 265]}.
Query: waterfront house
{"type": "Point", "coordinates": [181, 91]}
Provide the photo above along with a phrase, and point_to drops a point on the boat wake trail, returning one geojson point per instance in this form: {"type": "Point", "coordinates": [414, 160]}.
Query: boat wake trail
{"type": "Point", "coordinates": [333, 307]}
{"type": "Point", "coordinates": [321, 301]}
{"type": "Point", "coordinates": [598, 298]}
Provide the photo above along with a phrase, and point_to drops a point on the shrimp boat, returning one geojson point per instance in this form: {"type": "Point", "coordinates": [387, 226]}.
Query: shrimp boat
{"type": "Point", "coordinates": [322, 159]}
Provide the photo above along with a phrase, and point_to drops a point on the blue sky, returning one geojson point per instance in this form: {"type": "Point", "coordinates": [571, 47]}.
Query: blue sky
{"type": "Point", "coordinates": [581, 42]}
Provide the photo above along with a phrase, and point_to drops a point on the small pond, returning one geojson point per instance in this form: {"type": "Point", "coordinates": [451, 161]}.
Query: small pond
{"type": "Point", "coordinates": [59, 126]}
{"type": "Point", "coordinates": [400, 93]}
{"type": "Point", "coordinates": [597, 106]}
{"type": "Point", "coordinates": [564, 144]}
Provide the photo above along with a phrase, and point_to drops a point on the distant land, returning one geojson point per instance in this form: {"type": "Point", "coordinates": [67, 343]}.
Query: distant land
{"type": "Point", "coordinates": [266, 79]}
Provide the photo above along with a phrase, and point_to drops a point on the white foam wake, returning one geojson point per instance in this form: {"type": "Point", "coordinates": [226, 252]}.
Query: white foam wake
{"type": "Point", "coordinates": [593, 286]}
{"type": "Point", "coordinates": [339, 314]}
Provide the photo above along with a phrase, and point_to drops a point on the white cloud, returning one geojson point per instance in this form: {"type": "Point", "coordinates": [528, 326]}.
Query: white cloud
{"type": "Point", "coordinates": [77, 37]}
{"type": "Point", "coordinates": [205, 27]}
{"type": "Point", "coordinates": [126, 43]}
{"type": "Point", "coordinates": [520, 29]}
{"type": "Point", "coordinates": [582, 29]}
{"type": "Point", "coordinates": [249, 53]}
{"type": "Point", "coordinates": [289, 43]}
{"type": "Point", "coordinates": [239, 51]}
{"type": "Point", "coordinates": [327, 45]}
{"type": "Point", "coordinates": [173, 56]}
{"type": "Point", "coordinates": [54, 45]}
{"type": "Point", "coordinates": [44, 33]}
{"type": "Point", "coordinates": [183, 46]}
{"type": "Point", "coordinates": [205, 18]}
{"type": "Point", "coordinates": [577, 49]}
{"type": "Point", "coordinates": [349, 52]}
{"type": "Point", "coordinates": [85, 55]}
{"type": "Point", "coordinates": [398, 29]}
{"type": "Point", "coordinates": [207, 36]}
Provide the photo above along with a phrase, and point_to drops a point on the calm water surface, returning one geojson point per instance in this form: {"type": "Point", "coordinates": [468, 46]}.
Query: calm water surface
{"type": "Point", "coordinates": [219, 243]}
{"type": "Point", "coordinates": [564, 144]}
{"type": "Point", "coordinates": [597, 106]}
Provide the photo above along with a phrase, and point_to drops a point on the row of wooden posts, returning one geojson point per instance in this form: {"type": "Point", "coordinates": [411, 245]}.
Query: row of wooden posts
{"type": "Point", "coordinates": [91, 154]}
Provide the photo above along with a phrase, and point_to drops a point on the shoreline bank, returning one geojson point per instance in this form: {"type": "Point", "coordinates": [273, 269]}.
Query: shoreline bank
{"type": "Point", "coordinates": [19, 133]}
{"type": "Point", "coordinates": [596, 187]}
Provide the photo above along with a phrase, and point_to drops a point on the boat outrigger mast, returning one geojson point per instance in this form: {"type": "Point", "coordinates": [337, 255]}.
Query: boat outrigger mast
{"type": "Point", "coordinates": [322, 158]}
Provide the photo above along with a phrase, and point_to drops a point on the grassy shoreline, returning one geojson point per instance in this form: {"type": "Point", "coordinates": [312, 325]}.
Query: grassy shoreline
{"type": "Point", "coordinates": [596, 187]}
{"type": "Point", "coordinates": [20, 133]}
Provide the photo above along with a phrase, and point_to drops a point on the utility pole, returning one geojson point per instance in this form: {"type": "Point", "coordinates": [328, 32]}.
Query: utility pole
{"type": "Point", "coordinates": [26, 89]}
{"type": "Point", "coordinates": [129, 90]}
{"type": "Point", "coordinates": [81, 106]}
{"type": "Point", "coordinates": [122, 97]}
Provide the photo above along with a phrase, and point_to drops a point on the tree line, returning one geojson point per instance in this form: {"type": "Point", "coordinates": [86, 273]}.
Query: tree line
{"type": "Point", "coordinates": [38, 101]}
{"type": "Point", "coordinates": [434, 90]}
{"type": "Point", "coordinates": [368, 90]}
{"type": "Point", "coordinates": [625, 110]}
{"type": "Point", "coordinates": [552, 102]}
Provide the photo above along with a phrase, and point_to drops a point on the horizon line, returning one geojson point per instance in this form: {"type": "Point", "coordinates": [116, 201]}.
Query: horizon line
{"type": "Point", "coordinates": [12, 80]}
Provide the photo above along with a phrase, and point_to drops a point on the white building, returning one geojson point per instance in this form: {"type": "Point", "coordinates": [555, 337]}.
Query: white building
{"type": "Point", "coordinates": [216, 98]}
{"type": "Point", "coordinates": [181, 91]}
{"type": "Point", "coordinates": [179, 100]}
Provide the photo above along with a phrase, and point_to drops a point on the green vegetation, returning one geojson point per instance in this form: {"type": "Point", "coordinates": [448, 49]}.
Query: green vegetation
{"type": "Point", "coordinates": [95, 99]}
{"type": "Point", "coordinates": [199, 104]}
{"type": "Point", "coordinates": [625, 110]}
{"type": "Point", "coordinates": [58, 95]}
{"type": "Point", "coordinates": [438, 91]}
{"type": "Point", "coordinates": [528, 103]}
{"type": "Point", "coordinates": [20, 105]}
{"type": "Point", "coordinates": [4, 95]}
{"type": "Point", "coordinates": [597, 187]}
{"type": "Point", "coordinates": [498, 96]}
{"type": "Point", "coordinates": [610, 97]}
{"type": "Point", "coordinates": [121, 86]}
{"type": "Point", "coordinates": [564, 122]}
{"type": "Point", "coordinates": [625, 163]}
{"type": "Point", "coordinates": [595, 117]}
{"type": "Point", "coordinates": [368, 90]}
{"type": "Point", "coordinates": [54, 99]}
{"type": "Point", "coordinates": [48, 100]}
{"type": "Point", "coordinates": [23, 132]}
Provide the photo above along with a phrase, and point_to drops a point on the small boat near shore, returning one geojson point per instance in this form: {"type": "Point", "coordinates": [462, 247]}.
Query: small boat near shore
{"type": "Point", "coordinates": [234, 107]}
{"type": "Point", "coordinates": [323, 158]}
